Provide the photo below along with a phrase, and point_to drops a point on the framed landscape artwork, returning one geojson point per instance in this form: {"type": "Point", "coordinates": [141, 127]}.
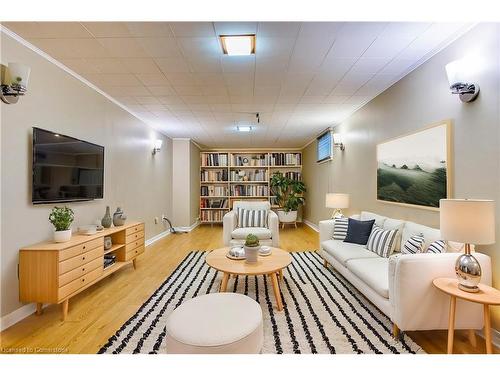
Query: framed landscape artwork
{"type": "Point", "coordinates": [415, 169]}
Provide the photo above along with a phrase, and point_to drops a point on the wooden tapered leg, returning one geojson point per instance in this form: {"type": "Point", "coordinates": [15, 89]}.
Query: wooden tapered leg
{"type": "Point", "coordinates": [64, 309]}
{"type": "Point", "coordinates": [295, 225]}
{"type": "Point", "coordinates": [280, 273]}
{"type": "Point", "coordinates": [395, 331]}
{"type": "Point", "coordinates": [39, 308]}
{"type": "Point", "coordinates": [471, 334]}
{"type": "Point", "coordinates": [325, 263]}
{"type": "Point", "coordinates": [451, 324]}
{"type": "Point", "coordinates": [487, 329]}
{"type": "Point", "coordinates": [223, 284]}
{"type": "Point", "coordinates": [134, 264]}
{"type": "Point", "coordinates": [276, 290]}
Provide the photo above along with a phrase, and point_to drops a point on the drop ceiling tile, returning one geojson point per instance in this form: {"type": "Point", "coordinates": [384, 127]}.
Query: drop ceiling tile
{"type": "Point", "coordinates": [170, 99]}
{"type": "Point", "coordinates": [353, 78]}
{"type": "Point", "coordinates": [160, 47]}
{"type": "Point", "coordinates": [241, 99]}
{"type": "Point", "coordinates": [349, 47]}
{"type": "Point", "coordinates": [214, 90]}
{"type": "Point", "coordinates": [183, 79]}
{"type": "Point", "coordinates": [161, 90]}
{"type": "Point", "coordinates": [192, 29]}
{"type": "Point", "coordinates": [345, 89]}
{"type": "Point", "coordinates": [70, 48]}
{"type": "Point", "coordinates": [211, 79]}
{"type": "Point", "coordinates": [336, 99]}
{"type": "Point", "coordinates": [149, 29]}
{"type": "Point", "coordinates": [126, 100]}
{"type": "Point", "coordinates": [173, 65]}
{"type": "Point", "coordinates": [188, 90]}
{"type": "Point", "coordinates": [235, 79]}
{"type": "Point", "coordinates": [151, 80]}
{"type": "Point", "coordinates": [194, 99]}
{"type": "Point", "coordinates": [286, 29]}
{"type": "Point", "coordinates": [81, 66]}
{"type": "Point", "coordinates": [154, 107]}
{"type": "Point", "coordinates": [221, 108]}
{"type": "Point", "coordinates": [369, 65]}
{"type": "Point", "coordinates": [240, 90]}
{"type": "Point", "coordinates": [407, 29]}
{"type": "Point", "coordinates": [200, 47]}
{"type": "Point", "coordinates": [140, 65]}
{"type": "Point", "coordinates": [387, 47]}
{"type": "Point", "coordinates": [122, 47]}
{"type": "Point", "coordinates": [271, 64]}
{"type": "Point", "coordinates": [235, 28]}
{"type": "Point", "coordinates": [267, 90]}
{"type": "Point", "coordinates": [320, 29]}
{"type": "Point", "coordinates": [269, 78]}
{"type": "Point", "coordinates": [201, 110]}
{"type": "Point", "coordinates": [43, 30]}
{"type": "Point", "coordinates": [398, 66]}
{"type": "Point", "coordinates": [147, 100]}
{"type": "Point", "coordinates": [357, 99]}
{"type": "Point", "coordinates": [218, 99]}
{"type": "Point", "coordinates": [362, 29]}
{"type": "Point", "coordinates": [107, 29]}
{"type": "Point", "coordinates": [127, 91]}
{"type": "Point", "coordinates": [238, 64]}
{"type": "Point", "coordinates": [274, 47]}
{"type": "Point", "coordinates": [205, 65]}
{"type": "Point", "coordinates": [114, 79]}
{"type": "Point", "coordinates": [136, 107]}
{"type": "Point", "coordinates": [107, 65]}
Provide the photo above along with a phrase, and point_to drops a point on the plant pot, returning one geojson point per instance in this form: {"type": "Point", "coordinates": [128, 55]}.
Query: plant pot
{"type": "Point", "coordinates": [251, 253]}
{"type": "Point", "coordinates": [62, 235]}
{"type": "Point", "coordinates": [287, 217]}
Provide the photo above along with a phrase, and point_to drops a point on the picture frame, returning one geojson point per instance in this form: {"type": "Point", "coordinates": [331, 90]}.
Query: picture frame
{"type": "Point", "coordinates": [415, 169]}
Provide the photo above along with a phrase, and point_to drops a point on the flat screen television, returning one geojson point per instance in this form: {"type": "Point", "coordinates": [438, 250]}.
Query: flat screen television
{"type": "Point", "coordinates": [66, 169]}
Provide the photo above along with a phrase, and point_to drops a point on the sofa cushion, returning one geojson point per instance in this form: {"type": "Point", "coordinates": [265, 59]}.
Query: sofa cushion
{"type": "Point", "coordinates": [358, 231]}
{"type": "Point", "coordinates": [251, 218]}
{"type": "Point", "coordinates": [340, 228]}
{"type": "Point", "coordinates": [374, 272]}
{"type": "Point", "coordinates": [381, 241]}
{"type": "Point", "coordinates": [344, 251]}
{"type": "Point", "coordinates": [414, 244]}
{"type": "Point", "coordinates": [242, 233]}
{"type": "Point", "coordinates": [379, 220]}
{"type": "Point", "coordinates": [390, 224]}
{"type": "Point", "coordinates": [437, 247]}
{"type": "Point", "coordinates": [412, 229]}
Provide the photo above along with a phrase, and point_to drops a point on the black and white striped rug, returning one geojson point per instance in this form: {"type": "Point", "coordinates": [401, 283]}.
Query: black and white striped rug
{"type": "Point", "coordinates": [323, 313]}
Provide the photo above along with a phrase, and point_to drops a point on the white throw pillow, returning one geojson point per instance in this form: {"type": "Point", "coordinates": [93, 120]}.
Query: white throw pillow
{"type": "Point", "coordinates": [414, 244]}
{"type": "Point", "coordinates": [340, 228]}
{"type": "Point", "coordinates": [437, 247]}
{"type": "Point", "coordinates": [251, 218]}
{"type": "Point", "coordinates": [381, 241]}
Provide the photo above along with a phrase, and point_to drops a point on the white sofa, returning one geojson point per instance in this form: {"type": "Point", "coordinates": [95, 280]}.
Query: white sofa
{"type": "Point", "coordinates": [236, 236]}
{"type": "Point", "coordinates": [401, 285]}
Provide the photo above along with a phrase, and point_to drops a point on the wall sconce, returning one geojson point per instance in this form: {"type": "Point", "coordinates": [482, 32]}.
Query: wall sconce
{"type": "Point", "coordinates": [338, 141]}
{"type": "Point", "coordinates": [460, 82]}
{"type": "Point", "coordinates": [14, 80]}
{"type": "Point", "coordinates": [157, 146]}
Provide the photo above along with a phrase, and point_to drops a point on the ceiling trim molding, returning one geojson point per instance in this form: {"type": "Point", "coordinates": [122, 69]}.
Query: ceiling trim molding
{"type": "Point", "coordinates": [60, 65]}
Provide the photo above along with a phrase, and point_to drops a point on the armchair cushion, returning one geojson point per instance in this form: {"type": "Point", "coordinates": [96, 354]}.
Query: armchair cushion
{"type": "Point", "coordinates": [251, 218]}
{"type": "Point", "coordinates": [242, 233]}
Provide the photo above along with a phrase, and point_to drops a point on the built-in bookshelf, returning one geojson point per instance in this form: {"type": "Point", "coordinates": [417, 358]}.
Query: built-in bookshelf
{"type": "Point", "coordinates": [227, 176]}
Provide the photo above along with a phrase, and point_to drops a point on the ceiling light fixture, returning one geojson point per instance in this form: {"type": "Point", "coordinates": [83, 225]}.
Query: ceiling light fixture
{"type": "Point", "coordinates": [244, 129]}
{"type": "Point", "coordinates": [238, 45]}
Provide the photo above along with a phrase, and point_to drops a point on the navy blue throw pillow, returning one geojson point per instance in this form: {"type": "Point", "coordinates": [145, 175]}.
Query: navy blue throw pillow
{"type": "Point", "coordinates": [359, 231]}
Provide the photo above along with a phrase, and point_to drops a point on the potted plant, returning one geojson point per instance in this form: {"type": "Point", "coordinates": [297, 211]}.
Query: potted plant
{"type": "Point", "coordinates": [288, 193]}
{"type": "Point", "coordinates": [61, 218]}
{"type": "Point", "coordinates": [252, 247]}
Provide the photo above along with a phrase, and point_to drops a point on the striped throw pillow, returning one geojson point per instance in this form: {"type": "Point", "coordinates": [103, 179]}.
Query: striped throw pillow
{"type": "Point", "coordinates": [251, 218]}
{"type": "Point", "coordinates": [414, 244]}
{"type": "Point", "coordinates": [340, 228]}
{"type": "Point", "coordinates": [381, 241]}
{"type": "Point", "coordinates": [437, 247]}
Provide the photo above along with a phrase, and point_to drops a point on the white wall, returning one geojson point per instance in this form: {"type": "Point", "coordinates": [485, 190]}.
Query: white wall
{"type": "Point", "coordinates": [134, 179]}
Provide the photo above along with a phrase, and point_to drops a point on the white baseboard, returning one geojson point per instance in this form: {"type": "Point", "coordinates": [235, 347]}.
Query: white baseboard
{"type": "Point", "coordinates": [495, 336]}
{"type": "Point", "coordinates": [311, 225]}
{"type": "Point", "coordinates": [157, 237]}
{"type": "Point", "coordinates": [17, 315]}
{"type": "Point", "coordinates": [190, 228]}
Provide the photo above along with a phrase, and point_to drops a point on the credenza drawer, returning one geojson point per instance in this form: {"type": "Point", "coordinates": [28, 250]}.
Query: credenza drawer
{"type": "Point", "coordinates": [134, 252]}
{"type": "Point", "coordinates": [135, 229]}
{"type": "Point", "coordinates": [132, 245]}
{"type": "Point", "coordinates": [79, 283]}
{"type": "Point", "coordinates": [80, 260]}
{"type": "Point", "coordinates": [80, 271]}
{"type": "Point", "coordinates": [79, 249]}
{"type": "Point", "coordinates": [134, 237]}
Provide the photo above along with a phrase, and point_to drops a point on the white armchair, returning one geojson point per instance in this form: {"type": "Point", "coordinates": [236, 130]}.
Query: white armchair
{"type": "Point", "coordinates": [236, 236]}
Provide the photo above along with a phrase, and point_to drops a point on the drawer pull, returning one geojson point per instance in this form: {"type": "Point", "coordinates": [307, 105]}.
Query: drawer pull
{"type": "Point", "coordinates": [83, 280]}
{"type": "Point", "coordinates": [83, 269]}
{"type": "Point", "coordinates": [83, 247]}
{"type": "Point", "coordinates": [83, 258]}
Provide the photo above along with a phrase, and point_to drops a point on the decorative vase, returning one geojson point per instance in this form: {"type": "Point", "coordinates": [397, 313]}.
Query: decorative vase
{"type": "Point", "coordinates": [107, 220]}
{"type": "Point", "coordinates": [251, 254]}
{"type": "Point", "coordinates": [108, 243]}
{"type": "Point", "coordinates": [119, 217]}
{"type": "Point", "coordinates": [62, 235]}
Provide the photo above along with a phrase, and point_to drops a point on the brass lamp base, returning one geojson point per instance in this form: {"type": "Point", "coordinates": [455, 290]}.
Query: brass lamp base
{"type": "Point", "coordinates": [337, 213]}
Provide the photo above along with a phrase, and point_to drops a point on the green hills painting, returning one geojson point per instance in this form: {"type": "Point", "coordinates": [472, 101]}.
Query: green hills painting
{"type": "Point", "coordinates": [414, 169]}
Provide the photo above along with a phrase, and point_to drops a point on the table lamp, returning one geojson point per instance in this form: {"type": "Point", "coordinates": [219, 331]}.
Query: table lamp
{"type": "Point", "coordinates": [338, 201]}
{"type": "Point", "coordinates": [469, 221]}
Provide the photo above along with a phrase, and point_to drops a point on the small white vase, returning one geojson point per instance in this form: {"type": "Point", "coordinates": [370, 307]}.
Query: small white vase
{"type": "Point", "coordinates": [251, 254]}
{"type": "Point", "coordinates": [62, 235]}
{"type": "Point", "coordinates": [287, 217]}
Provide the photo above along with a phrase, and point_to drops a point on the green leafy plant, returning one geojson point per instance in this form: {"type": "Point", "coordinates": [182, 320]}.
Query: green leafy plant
{"type": "Point", "coordinates": [61, 218]}
{"type": "Point", "coordinates": [252, 241]}
{"type": "Point", "coordinates": [288, 192]}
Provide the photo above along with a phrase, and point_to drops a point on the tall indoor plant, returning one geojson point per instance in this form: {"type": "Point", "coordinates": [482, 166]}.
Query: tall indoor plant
{"type": "Point", "coordinates": [62, 218]}
{"type": "Point", "coordinates": [289, 196]}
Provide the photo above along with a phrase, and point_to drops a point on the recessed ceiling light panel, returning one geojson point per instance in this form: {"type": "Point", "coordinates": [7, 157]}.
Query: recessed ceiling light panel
{"type": "Point", "coordinates": [238, 45]}
{"type": "Point", "coordinates": [244, 129]}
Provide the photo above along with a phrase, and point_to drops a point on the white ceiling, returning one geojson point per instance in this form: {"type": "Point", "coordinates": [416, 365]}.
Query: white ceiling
{"type": "Point", "coordinates": [304, 77]}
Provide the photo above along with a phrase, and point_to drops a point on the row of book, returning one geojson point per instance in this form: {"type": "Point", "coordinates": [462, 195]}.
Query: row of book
{"type": "Point", "coordinates": [249, 175]}
{"type": "Point", "coordinates": [249, 190]}
{"type": "Point", "coordinates": [296, 176]}
{"type": "Point", "coordinates": [213, 191]}
{"type": "Point", "coordinates": [214, 160]}
{"type": "Point", "coordinates": [214, 203]}
{"type": "Point", "coordinates": [209, 216]}
{"type": "Point", "coordinates": [282, 158]}
{"type": "Point", "coordinates": [209, 175]}
{"type": "Point", "coordinates": [249, 160]}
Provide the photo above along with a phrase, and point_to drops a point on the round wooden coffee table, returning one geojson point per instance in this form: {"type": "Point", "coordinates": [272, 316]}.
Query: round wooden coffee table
{"type": "Point", "coordinates": [270, 265]}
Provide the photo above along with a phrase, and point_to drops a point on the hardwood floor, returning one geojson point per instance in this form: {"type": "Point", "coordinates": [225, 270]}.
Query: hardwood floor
{"type": "Point", "coordinates": [95, 314]}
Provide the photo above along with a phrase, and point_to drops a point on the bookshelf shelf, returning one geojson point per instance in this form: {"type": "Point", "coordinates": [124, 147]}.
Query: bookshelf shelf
{"type": "Point", "coordinates": [217, 164]}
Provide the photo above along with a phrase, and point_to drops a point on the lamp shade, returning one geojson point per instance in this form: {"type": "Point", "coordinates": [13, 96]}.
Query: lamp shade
{"type": "Point", "coordinates": [468, 220]}
{"type": "Point", "coordinates": [337, 200]}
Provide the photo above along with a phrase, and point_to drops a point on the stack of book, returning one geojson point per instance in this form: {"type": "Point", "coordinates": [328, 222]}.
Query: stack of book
{"type": "Point", "coordinates": [214, 160]}
{"type": "Point", "coordinates": [281, 158]}
{"type": "Point", "coordinates": [109, 259]}
{"type": "Point", "coordinates": [213, 203]}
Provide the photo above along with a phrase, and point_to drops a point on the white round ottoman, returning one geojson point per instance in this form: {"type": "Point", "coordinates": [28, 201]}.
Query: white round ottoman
{"type": "Point", "coordinates": [218, 323]}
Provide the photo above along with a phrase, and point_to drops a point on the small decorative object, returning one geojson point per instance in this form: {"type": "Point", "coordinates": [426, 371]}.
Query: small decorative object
{"type": "Point", "coordinates": [107, 242]}
{"type": "Point", "coordinates": [337, 201]}
{"type": "Point", "coordinates": [415, 169]}
{"type": "Point", "coordinates": [61, 218]}
{"type": "Point", "coordinates": [88, 230]}
{"type": "Point", "coordinates": [245, 161]}
{"type": "Point", "coordinates": [252, 247]}
{"type": "Point", "coordinates": [119, 217]}
{"type": "Point", "coordinates": [288, 193]}
{"type": "Point", "coordinates": [241, 175]}
{"type": "Point", "coordinates": [107, 220]}
{"type": "Point", "coordinates": [98, 226]}
{"type": "Point", "coordinates": [245, 178]}
{"type": "Point", "coordinates": [236, 253]}
{"type": "Point", "coordinates": [469, 221]}
{"type": "Point", "coordinates": [264, 251]}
